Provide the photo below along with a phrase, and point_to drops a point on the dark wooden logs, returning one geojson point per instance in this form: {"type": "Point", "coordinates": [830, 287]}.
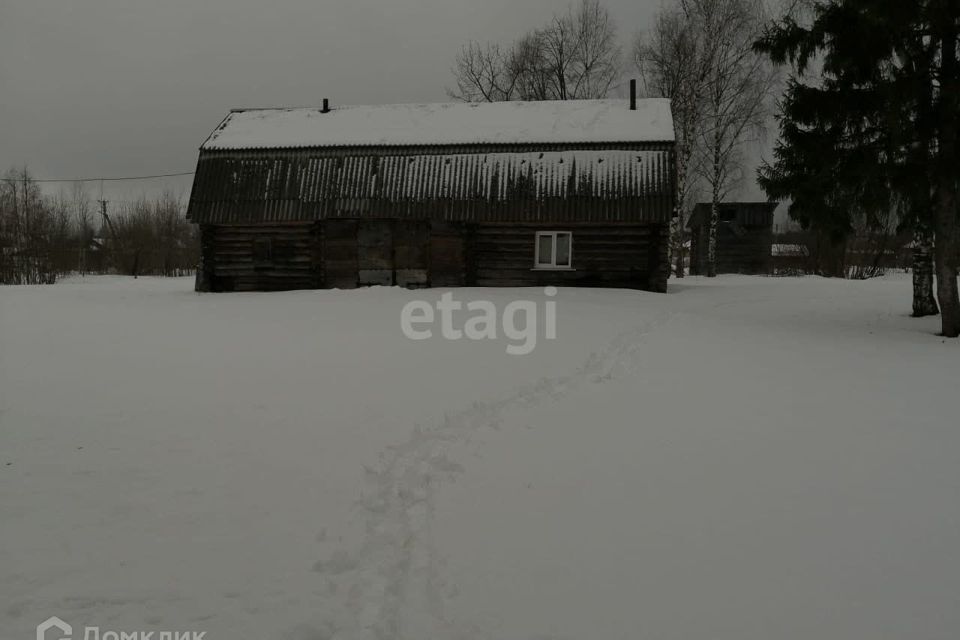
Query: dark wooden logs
{"type": "Point", "coordinates": [346, 253]}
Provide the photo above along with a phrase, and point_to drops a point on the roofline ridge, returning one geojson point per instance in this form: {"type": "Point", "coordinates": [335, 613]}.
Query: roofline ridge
{"type": "Point", "coordinates": [436, 104]}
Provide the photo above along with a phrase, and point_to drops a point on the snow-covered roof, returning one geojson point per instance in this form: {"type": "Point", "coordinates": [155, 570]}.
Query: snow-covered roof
{"type": "Point", "coordinates": [576, 121]}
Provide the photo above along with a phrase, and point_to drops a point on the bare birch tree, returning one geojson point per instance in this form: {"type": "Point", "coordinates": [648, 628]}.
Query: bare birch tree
{"type": "Point", "coordinates": [672, 61]}
{"type": "Point", "coordinates": [575, 56]}
{"type": "Point", "coordinates": [597, 56]}
{"type": "Point", "coordinates": [739, 86]}
{"type": "Point", "coordinates": [26, 226]}
{"type": "Point", "coordinates": [485, 73]}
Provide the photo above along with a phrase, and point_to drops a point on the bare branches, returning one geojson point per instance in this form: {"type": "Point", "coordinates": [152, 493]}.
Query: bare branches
{"type": "Point", "coordinates": [25, 229]}
{"type": "Point", "coordinates": [596, 60]}
{"type": "Point", "coordinates": [739, 86]}
{"type": "Point", "coordinates": [484, 73]}
{"type": "Point", "coordinates": [700, 54]}
{"type": "Point", "coordinates": [575, 56]}
{"type": "Point", "coordinates": [43, 237]}
{"type": "Point", "coordinates": [673, 62]}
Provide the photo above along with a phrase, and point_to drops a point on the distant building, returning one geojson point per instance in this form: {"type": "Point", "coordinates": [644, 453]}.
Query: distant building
{"type": "Point", "coordinates": [576, 193]}
{"type": "Point", "coordinates": [744, 237]}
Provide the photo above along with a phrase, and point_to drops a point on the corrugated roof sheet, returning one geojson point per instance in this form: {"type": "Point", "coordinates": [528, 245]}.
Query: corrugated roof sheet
{"type": "Point", "coordinates": [631, 182]}
{"type": "Point", "coordinates": [557, 122]}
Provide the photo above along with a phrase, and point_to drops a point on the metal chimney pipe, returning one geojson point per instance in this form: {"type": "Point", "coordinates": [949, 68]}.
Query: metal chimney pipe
{"type": "Point", "coordinates": [633, 94]}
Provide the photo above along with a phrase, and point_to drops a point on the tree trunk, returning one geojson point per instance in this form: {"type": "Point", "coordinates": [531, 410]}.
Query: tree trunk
{"type": "Point", "coordinates": [831, 256]}
{"type": "Point", "coordinates": [679, 270]}
{"type": "Point", "coordinates": [924, 302]}
{"type": "Point", "coordinates": [946, 248]}
{"type": "Point", "coordinates": [714, 210]}
{"type": "Point", "coordinates": [947, 295]}
{"type": "Point", "coordinates": [712, 237]}
{"type": "Point", "coordinates": [946, 251]}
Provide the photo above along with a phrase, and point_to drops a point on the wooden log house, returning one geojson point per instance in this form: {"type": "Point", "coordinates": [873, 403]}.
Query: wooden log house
{"type": "Point", "coordinates": [576, 193]}
{"type": "Point", "coordinates": [744, 237]}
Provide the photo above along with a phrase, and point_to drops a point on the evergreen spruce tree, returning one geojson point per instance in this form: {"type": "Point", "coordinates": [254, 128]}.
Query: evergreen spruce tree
{"type": "Point", "coordinates": [878, 129]}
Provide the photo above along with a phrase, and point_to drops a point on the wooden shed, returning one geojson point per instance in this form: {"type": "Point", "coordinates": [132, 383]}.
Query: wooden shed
{"type": "Point", "coordinates": [744, 237]}
{"type": "Point", "coordinates": [576, 193]}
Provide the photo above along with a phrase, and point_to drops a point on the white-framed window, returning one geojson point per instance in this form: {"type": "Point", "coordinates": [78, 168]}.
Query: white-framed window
{"type": "Point", "coordinates": [554, 250]}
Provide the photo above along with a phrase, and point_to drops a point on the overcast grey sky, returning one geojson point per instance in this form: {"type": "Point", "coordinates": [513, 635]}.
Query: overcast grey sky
{"type": "Point", "coordinates": [132, 87]}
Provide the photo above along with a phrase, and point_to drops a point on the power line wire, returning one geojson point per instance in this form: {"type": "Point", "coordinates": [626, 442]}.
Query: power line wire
{"type": "Point", "coordinates": [161, 175]}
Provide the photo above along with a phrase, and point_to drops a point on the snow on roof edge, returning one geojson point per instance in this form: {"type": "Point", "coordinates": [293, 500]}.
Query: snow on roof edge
{"type": "Point", "coordinates": [445, 124]}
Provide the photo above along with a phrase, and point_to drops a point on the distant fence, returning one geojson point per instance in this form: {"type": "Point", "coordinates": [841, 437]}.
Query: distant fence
{"type": "Point", "coordinates": [862, 256]}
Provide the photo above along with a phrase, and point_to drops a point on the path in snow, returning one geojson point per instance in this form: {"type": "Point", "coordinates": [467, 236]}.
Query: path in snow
{"type": "Point", "coordinates": [396, 571]}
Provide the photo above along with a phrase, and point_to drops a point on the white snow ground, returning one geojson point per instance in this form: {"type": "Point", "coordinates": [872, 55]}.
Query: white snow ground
{"type": "Point", "coordinates": [743, 459]}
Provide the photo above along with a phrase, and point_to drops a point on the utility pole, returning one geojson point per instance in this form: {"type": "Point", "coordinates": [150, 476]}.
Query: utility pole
{"type": "Point", "coordinates": [112, 230]}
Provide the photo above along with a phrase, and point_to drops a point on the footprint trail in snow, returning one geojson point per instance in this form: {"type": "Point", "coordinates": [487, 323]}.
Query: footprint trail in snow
{"type": "Point", "coordinates": [390, 586]}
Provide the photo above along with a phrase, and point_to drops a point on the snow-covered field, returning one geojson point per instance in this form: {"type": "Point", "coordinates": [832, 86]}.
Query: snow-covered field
{"type": "Point", "coordinates": [742, 459]}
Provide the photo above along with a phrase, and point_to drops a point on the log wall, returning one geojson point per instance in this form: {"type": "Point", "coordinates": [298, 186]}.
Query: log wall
{"type": "Point", "coordinates": [272, 257]}
{"type": "Point", "coordinates": [346, 253]}
{"type": "Point", "coordinates": [622, 256]}
{"type": "Point", "coordinates": [745, 251]}
{"type": "Point", "coordinates": [448, 254]}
